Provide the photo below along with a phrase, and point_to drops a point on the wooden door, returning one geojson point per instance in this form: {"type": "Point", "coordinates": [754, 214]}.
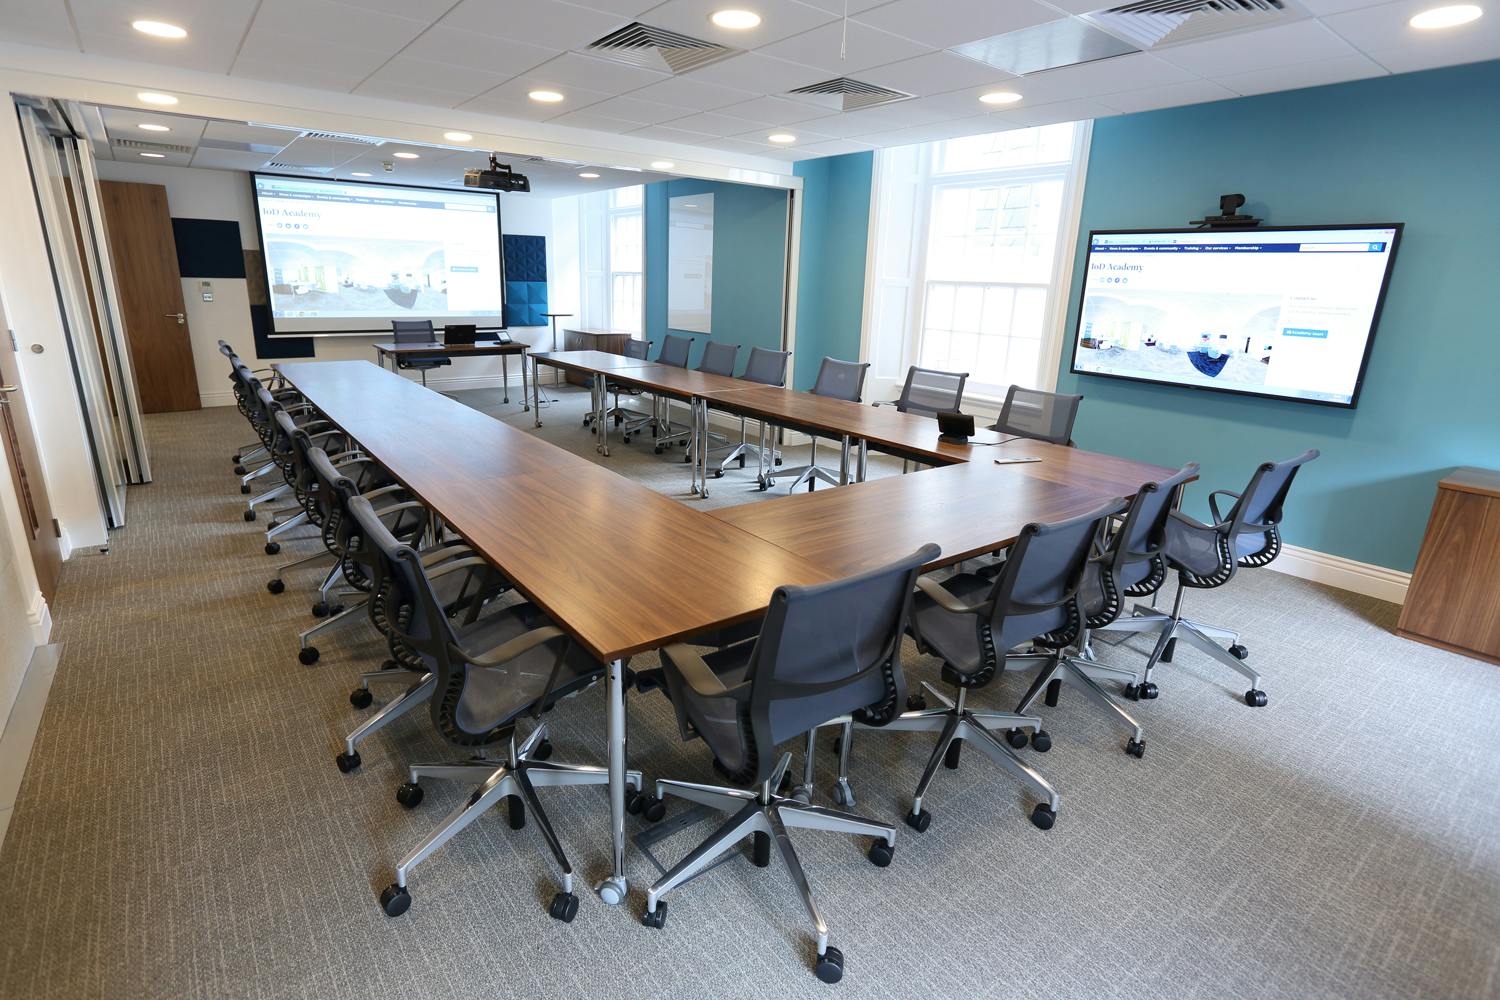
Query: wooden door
{"type": "Point", "coordinates": [144, 254]}
{"type": "Point", "coordinates": [25, 466]}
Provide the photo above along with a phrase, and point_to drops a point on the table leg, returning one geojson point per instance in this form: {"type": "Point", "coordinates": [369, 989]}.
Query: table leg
{"type": "Point", "coordinates": [863, 460]}
{"type": "Point", "coordinates": [844, 462]}
{"type": "Point", "coordinates": [536, 392]}
{"type": "Point", "coordinates": [614, 889]}
{"type": "Point", "coordinates": [505, 376]}
{"type": "Point", "coordinates": [699, 446]}
{"type": "Point", "coordinates": [525, 397]}
{"type": "Point", "coordinates": [601, 389]}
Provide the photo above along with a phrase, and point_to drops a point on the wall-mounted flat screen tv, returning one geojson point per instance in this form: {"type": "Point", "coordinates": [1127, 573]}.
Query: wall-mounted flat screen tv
{"type": "Point", "coordinates": [1284, 312]}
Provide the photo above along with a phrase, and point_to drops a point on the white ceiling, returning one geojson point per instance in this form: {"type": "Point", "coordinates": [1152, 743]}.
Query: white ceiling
{"type": "Point", "coordinates": [223, 145]}
{"type": "Point", "coordinates": [485, 55]}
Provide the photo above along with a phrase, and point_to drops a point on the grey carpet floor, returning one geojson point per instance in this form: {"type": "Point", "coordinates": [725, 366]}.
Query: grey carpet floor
{"type": "Point", "coordinates": [182, 830]}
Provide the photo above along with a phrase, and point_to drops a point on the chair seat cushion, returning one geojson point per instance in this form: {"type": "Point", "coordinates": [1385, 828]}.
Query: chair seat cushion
{"type": "Point", "coordinates": [718, 720]}
{"type": "Point", "coordinates": [953, 637]}
{"type": "Point", "coordinates": [495, 696]}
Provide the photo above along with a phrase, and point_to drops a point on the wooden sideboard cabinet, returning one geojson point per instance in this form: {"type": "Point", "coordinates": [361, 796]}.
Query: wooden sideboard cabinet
{"type": "Point", "coordinates": [1454, 598]}
{"type": "Point", "coordinates": [592, 340]}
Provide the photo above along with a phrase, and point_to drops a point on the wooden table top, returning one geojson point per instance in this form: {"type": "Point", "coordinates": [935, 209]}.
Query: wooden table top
{"type": "Point", "coordinates": [589, 361]}
{"type": "Point", "coordinates": [671, 380]}
{"type": "Point", "coordinates": [621, 567]}
{"type": "Point", "coordinates": [968, 509]}
{"type": "Point", "coordinates": [438, 347]}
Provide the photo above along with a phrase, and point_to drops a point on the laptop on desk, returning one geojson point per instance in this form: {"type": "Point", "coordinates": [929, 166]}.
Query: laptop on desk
{"type": "Point", "coordinates": [460, 333]}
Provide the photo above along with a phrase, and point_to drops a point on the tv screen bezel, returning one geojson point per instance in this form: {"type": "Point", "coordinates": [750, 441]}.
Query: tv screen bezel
{"type": "Point", "coordinates": [1364, 363]}
{"type": "Point", "coordinates": [260, 242]}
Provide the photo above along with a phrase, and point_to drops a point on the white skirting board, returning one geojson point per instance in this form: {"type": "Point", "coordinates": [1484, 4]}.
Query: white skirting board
{"type": "Point", "coordinates": [1345, 574]}
{"type": "Point", "coordinates": [39, 617]}
{"type": "Point", "coordinates": [1307, 564]}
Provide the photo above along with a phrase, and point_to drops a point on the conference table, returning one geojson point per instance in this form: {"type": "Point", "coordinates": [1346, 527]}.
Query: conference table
{"type": "Point", "coordinates": [503, 349]}
{"type": "Point", "coordinates": [625, 570]}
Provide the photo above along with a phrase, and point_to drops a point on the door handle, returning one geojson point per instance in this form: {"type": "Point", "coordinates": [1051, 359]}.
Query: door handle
{"type": "Point", "coordinates": [181, 319]}
{"type": "Point", "coordinates": [9, 388]}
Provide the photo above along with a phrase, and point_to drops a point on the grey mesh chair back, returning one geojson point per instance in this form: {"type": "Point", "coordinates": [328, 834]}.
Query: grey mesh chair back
{"type": "Point", "coordinates": [766, 366]}
{"type": "Point", "coordinates": [1133, 559]}
{"type": "Point", "coordinates": [1039, 415]}
{"type": "Point", "coordinates": [1034, 595]}
{"type": "Point", "coordinates": [637, 349]}
{"type": "Point", "coordinates": [1255, 518]}
{"type": "Point", "coordinates": [674, 351]}
{"type": "Point", "coordinates": [841, 379]}
{"type": "Point", "coordinates": [929, 392]}
{"type": "Point", "coordinates": [478, 698]}
{"type": "Point", "coordinates": [718, 358]}
{"type": "Point", "coordinates": [413, 331]}
{"type": "Point", "coordinates": [822, 652]}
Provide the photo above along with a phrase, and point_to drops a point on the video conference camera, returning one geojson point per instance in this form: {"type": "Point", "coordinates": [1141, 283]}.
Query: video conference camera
{"type": "Point", "coordinates": [499, 177]}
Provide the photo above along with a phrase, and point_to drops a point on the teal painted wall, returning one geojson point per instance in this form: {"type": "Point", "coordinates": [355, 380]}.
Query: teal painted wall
{"type": "Point", "coordinates": [749, 263]}
{"type": "Point", "coordinates": [831, 269]}
{"type": "Point", "coordinates": [1423, 149]}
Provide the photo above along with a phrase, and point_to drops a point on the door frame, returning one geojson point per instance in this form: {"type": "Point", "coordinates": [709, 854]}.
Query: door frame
{"type": "Point", "coordinates": [37, 580]}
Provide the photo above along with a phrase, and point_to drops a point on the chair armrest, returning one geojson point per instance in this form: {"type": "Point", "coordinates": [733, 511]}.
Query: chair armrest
{"type": "Point", "coordinates": [687, 664]}
{"type": "Point", "coordinates": [383, 490]}
{"type": "Point", "coordinates": [509, 650]}
{"type": "Point", "coordinates": [1191, 523]}
{"type": "Point", "coordinates": [947, 601]}
{"type": "Point", "coordinates": [1213, 502]}
{"type": "Point", "coordinates": [433, 556]}
{"type": "Point", "coordinates": [886, 402]}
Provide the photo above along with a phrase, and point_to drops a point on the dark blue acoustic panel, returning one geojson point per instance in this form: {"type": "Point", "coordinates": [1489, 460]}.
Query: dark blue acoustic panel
{"type": "Point", "coordinates": [208, 248]}
{"type": "Point", "coordinates": [267, 346]}
{"type": "Point", "coordinates": [525, 280]}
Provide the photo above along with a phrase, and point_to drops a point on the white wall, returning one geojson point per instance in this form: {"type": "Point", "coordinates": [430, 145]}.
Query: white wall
{"type": "Point", "coordinates": [197, 193]}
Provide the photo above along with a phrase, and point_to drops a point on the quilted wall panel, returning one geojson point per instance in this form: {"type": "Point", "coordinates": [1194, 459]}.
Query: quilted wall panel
{"type": "Point", "coordinates": [525, 280]}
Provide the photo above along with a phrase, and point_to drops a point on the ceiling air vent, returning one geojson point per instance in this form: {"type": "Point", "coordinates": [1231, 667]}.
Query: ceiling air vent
{"type": "Point", "coordinates": [300, 168]}
{"type": "Point", "coordinates": [1151, 23]}
{"type": "Point", "coordinates": [362, 140]}
{"type": "Point", "coordinates": [845, 94]}
{"type": "Point", "coordinates": [138, 146]}
{"type": "Point", "coordinates": [639, 44]}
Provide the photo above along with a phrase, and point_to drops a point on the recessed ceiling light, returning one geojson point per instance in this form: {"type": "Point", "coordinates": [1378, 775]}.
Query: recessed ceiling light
{"type": "Point", "coordinates": [148, 97]}
{"type": "Point", "coordinates": [782, 137]}
{"type": "Point", "coordinates": [662, 164]}
{"type": "Point", "coordinates": [359, 173]}
{"type": "Point", "coordinates": [1446, 17]}
{"type": "Point", "coordinates": [735, 20]}
{"type": "Point", "coordinates": [147, 126]}
{"type": "Point", "coordinates": [158, 29]}
{"type": "Point", "coordinates": [457, 136]}
{"type": "Point", "coordinates": [154, 156]}
{"type": "Point", "coordinates": [589, 175]}
{"type": "Point", "coordinates": [1000, 97]}
{"type": "Point", "coordinates": [545, 96]}
{"type": "Point", "coordinates": [407, 156]}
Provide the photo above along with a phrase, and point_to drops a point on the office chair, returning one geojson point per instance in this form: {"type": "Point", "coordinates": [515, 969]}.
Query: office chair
{"type": "Point", "coordinates": [268, 420]}
{"type": "Point", "coordinates": [675, 352]}
{"type": "Point", "coordinates": [766, 367]}
{"type": "Point", "coordinates": [637, 350]}
{"type": "Point", "coordinates": [823, 652]}
{"type": "Point", "coordinates": [1038, 415]}
{"type": "Point", "coordinates": [486, 680]}
{"type": "Point", "coordinates": [417, 331]}
{"type": "Point", "coordinates": [1206, 556]}
{"type": "Point", "coordinates": [928, 392]}
{"type": "Point", "coordinates": [718, 359]}
{"type": "Point", "coordinates": [972, 623]}
{"type": "Point", "coordinates": [1129, 561]}
{"type": "Point", "coordinates": [837, 380]}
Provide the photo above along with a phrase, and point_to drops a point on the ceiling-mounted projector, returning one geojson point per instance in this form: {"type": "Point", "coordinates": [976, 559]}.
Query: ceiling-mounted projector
{"type": "Point", "coordinates": [499, 177]}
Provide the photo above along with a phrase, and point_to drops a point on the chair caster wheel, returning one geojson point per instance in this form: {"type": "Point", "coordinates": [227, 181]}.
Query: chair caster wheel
{"type": "Point", "coordinates": [1017, 739]}
{"type": "Point", "coordinates": [275, 586]}
{"type": "Point", "coordinates": [1136, 748]}
{"type": "Point", "coordinates": [830, 967]}
{"type": "Point", "coordinates": [587, 421]}
{"type": "Point", "coordinates": [542, 751]}
{"type": "Point", "coordinates": [655, 918]}
{"type": "Point", "coordinates": [1255, 698]}
{"type": "Point", "coordinates": [658, 449]}
{"type": "Point", "coordinates": [778, 461]}
{"type": "Point", "coordinates": [762, 485]}
{"type": "Point", "coordinates": [619, 419]}
{"type": "Point", "coordinates": [272, 523]}
{"type": "Point", "coordinates": [842, 794]}
{"type": "Point", "coordinates": [1238, 652]}
{"type": "Point", "coordinates": [321, 610]}
{"type": "Point", "coordinates": [1148, 691]}
{"type": "Point", "coordinates": [635, 801]}
{"type": "Point", "coordinates": [395, 900]}
{"type": "Point", "coordinates": [409, 794]}
{"type": "Point", "coordinates": [1042, 817]}
{"type": "Point", "coordinates": [361, 697]}
{"type": "Point", "coordinates": [249, 514]}
{"type": "Point", "coordinates": [239, 470]}
{"type": "Point", "coordinates": [515, 812]}
{"type": "Point", "coordinates": [272, 548]}
{"type": "Point", "coordinates": [564, 907]}
{"type": "Point", "coordinates": [760, 850]}
{"type": "Point", "coordinates": [880, 854]}
{"type": "Point", "coordinates": [626, 439]}
{"type": "Point", "coordinates": [347, 762]}
{"type": "Point", "coordinates": [952, 754]}
{"type": "Point", "coordinates": [655, 810]}
{"type": "Point", "coordinates": [718, 473]}
{"type": "Point", "coordinates": [916, 702]}
{"type": "Point", "coordinates": [742, 461]}
{"type": "Point", "coordinates": [1041, 742]}
{"type": "Point", "coordinates": [307, 655]}
{"type": "Point", "coordinates": [244, 488]}
{"type": "Point", "coordinates": [919, 821]}
{"type": "Point", "coordinates": [237, 459]}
